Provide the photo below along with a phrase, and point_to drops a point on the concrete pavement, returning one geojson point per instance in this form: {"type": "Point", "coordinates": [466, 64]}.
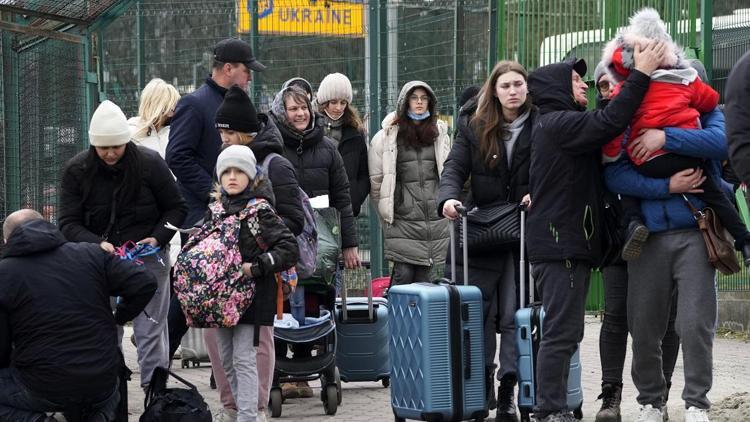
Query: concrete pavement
{"type": "Point", "coordinates": [369, 402]}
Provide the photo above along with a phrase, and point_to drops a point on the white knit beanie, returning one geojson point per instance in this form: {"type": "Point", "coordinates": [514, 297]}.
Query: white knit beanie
{"type": "Point", "coordinates": [237, 156]}
{"type": "Point", "coordinates": [335, 86]}
{"type": "Point", "coordinates": [109, 126]}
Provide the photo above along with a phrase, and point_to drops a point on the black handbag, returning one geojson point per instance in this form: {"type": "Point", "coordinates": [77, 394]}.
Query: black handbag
{"type": "Point", "coordinates": [494, 227]}
{"type": "Point", "coordinates": [164, 404]}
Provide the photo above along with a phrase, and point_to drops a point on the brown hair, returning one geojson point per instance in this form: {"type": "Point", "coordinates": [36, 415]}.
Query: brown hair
{"type": "Point", "coordinates": [351, 115]}
{"type": "Point", "coordinates": [414, 134]}
{"type": "Point", "coordinates": [488, 119]}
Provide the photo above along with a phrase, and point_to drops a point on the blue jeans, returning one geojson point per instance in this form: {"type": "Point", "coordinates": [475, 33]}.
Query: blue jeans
{"type": "Point", "coordinates": [18, 404]}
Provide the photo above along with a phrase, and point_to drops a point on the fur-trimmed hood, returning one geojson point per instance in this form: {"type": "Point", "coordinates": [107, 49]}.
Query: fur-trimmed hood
{"type": "Point", "coordinates": [645, 26]}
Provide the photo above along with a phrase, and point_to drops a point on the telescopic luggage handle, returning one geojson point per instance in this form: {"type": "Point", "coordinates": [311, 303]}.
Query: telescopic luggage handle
{"type": "Point", "coordinates": [464, 219]}
{"type": "Point", "coordinates": [522, 262]}
{"type": "Point", "coordinates": [370, 306]}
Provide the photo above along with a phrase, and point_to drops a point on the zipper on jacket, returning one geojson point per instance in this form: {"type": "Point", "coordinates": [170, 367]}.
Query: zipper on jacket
{"type": "Point", "coordinates": [424, 205]}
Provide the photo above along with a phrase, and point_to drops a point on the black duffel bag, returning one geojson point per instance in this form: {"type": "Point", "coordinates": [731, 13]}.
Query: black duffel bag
{"type": "Point", "coordinates": [173, 404]}
{"type": "Point", "coordinates": [493, 227]}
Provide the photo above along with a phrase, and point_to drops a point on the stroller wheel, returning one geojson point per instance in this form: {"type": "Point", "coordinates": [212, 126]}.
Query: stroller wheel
{"type": "Point", "coordinates": [276, 402]}
{"type": "Point", "coordinates": [337, 378]}
{"type": "Point", "coordinates": [331, 401]}
{"type": "Point", "coordinates": [386, 382]}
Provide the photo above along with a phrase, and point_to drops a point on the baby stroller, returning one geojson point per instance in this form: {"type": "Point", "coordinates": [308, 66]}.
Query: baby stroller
{"type": "Point", "coordinates": [320, 332]}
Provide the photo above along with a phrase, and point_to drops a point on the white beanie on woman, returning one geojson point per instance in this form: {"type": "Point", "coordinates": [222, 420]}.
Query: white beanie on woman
{"type": "Point", "coordinates": [109, 126]}
{"type": "Point", "coordinates": [335, 86]}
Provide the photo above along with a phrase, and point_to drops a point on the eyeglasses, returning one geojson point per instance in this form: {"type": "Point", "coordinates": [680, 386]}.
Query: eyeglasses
{"type": "Point", "coordinates": [604, 86]}
{"type": "Point", "coordinates": [417, 98]}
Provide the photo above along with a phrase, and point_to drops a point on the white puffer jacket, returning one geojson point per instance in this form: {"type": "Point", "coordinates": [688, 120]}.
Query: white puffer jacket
{"type": "Point", "coordinates": [382, 164]}
{"type": "Point", "coordinates": [155, 140]}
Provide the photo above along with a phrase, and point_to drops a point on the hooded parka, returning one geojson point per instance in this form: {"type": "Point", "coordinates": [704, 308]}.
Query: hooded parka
{"type": "Point", "coordinates": [565, 177]}
{"type": "Point", "coordinates": [404, 189]}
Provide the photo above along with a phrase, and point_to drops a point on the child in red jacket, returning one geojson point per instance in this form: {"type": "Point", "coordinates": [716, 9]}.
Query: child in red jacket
{"type": "Point", "coordinates": [676, 98]}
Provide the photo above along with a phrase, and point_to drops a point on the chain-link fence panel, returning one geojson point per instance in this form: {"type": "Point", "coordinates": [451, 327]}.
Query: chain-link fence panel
{"type": "Point", "coordinates": [51, 120]}
{"type": "Point", "coordinates": [730, 38]}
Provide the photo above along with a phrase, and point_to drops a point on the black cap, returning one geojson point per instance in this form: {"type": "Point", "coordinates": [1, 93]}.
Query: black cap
{"type": "Point", "coordinates": [579, 65]}
{"type": "Point", "coordinates": [237, 112]}
{"type": "Point", "coordinates": [233, 50]}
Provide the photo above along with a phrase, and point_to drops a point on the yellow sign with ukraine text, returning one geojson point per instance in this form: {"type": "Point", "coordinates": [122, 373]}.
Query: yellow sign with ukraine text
{"type": "Point", "coordinates": [304, 17]}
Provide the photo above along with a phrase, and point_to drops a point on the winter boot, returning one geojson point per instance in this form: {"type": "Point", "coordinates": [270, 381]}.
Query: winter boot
{"type": "Point", "coordinates": [611, 397]}
{"type": "Point", "coordinates": [635, 236]}
{"type": "Point", "coordinates": [506, 405]}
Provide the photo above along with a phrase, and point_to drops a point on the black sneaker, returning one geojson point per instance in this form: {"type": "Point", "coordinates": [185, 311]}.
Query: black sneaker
{"type": "Point", "coordinates": [636, 236]}
{"type": "Point", "coordinates": [611, 397]}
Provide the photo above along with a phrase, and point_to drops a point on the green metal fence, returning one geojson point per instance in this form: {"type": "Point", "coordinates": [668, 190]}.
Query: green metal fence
{"type": "Point", "coordinates": [48, 84]}
{"type": "Point", "coordinates": [50, 81]}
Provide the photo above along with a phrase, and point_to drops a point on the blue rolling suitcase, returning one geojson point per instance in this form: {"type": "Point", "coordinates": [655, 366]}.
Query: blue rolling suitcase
{"type": "Point", "coordinates": [362, 334]}
{"type": "Point", "coordinates": [437, 350]}
{"type": "Point", "coordinates": [529, 332]}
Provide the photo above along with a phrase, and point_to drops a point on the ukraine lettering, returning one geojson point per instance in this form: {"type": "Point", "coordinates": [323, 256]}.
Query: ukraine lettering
{"type": "Point", "coordinates": [321, 17]}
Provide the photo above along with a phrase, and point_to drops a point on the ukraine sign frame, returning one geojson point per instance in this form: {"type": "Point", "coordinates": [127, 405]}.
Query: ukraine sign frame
{"type": "Point", "coordinates": [304, 17]}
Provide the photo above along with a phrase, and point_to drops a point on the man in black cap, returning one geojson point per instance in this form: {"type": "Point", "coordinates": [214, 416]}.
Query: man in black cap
{"type": "Point", "coordinates": [563, 226]}
{"type": "Point", "coordinates": [194, 142]}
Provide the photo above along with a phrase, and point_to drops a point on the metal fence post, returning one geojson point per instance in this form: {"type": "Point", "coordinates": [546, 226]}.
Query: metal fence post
{"type": "Point", "coordinates": [707, 52]}
{"type": "Point", "coordinates": [373, 84]}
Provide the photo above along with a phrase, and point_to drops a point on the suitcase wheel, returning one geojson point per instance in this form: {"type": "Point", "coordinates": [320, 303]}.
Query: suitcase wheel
{"type": "Point", "coordinates": [525, 415]}
{"type": "Point", "coordinates": [185, 363]}
{"type": "Point", "coordinates": [330, 399]}
{"type": "Point", "coordinates": [398, 419]}
{"type": "Point", "coordinates": [386, 382]}
{"type": "Point", "coordinates": [276, 400]}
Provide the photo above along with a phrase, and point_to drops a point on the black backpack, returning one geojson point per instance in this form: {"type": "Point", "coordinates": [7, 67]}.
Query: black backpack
{"type": "Point", "coordinates": [164, 404]}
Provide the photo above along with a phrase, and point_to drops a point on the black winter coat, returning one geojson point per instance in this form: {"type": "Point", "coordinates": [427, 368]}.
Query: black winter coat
{"type": "Point", "coordinates": [281, 253]}
{"type": "Point", "coordinates": [737, 114]}
{"type": "Point", "coordinates": [87, 219]}
{"type": "Point", "coordinates": [55, 296]}
{"type": "Point", "coordinates": [194, 145]}
{"type": "Point", "coordinates": [488, 186]}
{"type": "Point", "coordinates": [353, 150]}
{"type": "Point", "coordinates": [565, 176]}
{"type": "Point", "coordinates": [280, 174]}
{"type": "Point", "coordinates": [320, 171]}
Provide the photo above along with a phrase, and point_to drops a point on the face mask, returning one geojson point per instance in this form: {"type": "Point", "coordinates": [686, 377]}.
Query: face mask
{"type": "Point", "coordinates": [332, 117]}
{"type": "Point", "coordinates": [415, 116]}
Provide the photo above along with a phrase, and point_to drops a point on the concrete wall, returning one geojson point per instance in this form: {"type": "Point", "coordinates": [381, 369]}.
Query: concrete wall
{"type": "Point", "coordinates": [734, 311]}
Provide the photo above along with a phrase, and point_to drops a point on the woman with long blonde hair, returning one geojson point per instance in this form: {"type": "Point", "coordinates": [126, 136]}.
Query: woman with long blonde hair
{"type": "Point", "coordinates": [151, 127]}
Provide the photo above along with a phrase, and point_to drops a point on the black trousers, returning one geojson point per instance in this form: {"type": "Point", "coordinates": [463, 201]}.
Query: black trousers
{"type": "Point", "coordinates": [563, 286]}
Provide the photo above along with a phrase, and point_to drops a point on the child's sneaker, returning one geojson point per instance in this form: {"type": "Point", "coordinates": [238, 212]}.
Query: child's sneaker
{"type": "Point", "coordinates": [635, 236]}
{"type": "Point", "coordinates": [746, 254]}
